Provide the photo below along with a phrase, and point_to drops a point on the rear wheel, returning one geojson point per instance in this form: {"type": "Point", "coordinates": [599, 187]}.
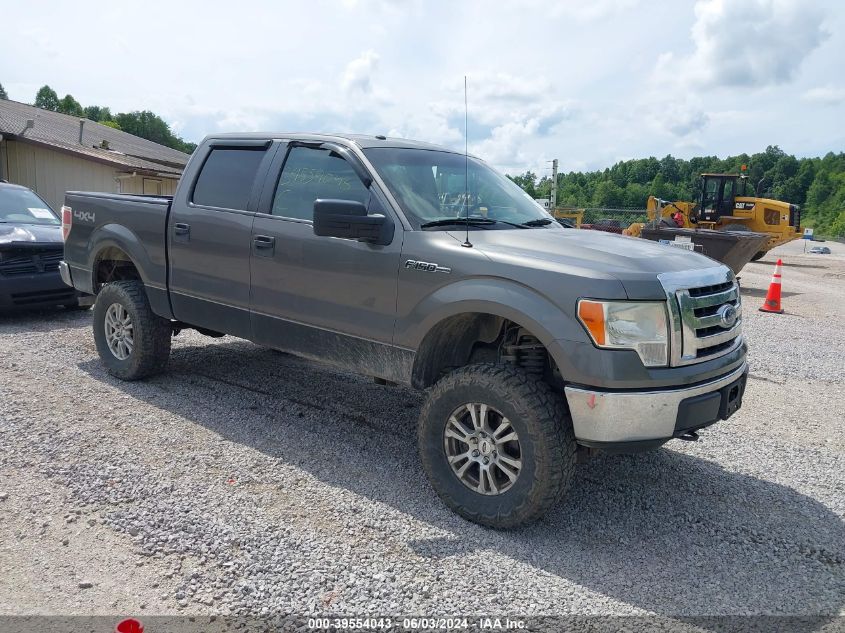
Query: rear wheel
{"type": "Point", "coordinates": [496, 444]}
{"type": "Point", "coordinates": [133, 342]}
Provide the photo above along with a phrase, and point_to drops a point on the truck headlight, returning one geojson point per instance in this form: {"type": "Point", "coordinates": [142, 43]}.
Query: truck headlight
{"type": "Point", "coordinates": [641, 327]}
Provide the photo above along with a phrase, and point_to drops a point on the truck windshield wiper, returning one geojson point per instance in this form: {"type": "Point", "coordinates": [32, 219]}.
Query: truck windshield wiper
{"type": "Point", "coordinates": [538, 222]}
{"type": "Point", "coordinates": [485, 222]}
{"type": "Point", "coordinates": [459, 221]}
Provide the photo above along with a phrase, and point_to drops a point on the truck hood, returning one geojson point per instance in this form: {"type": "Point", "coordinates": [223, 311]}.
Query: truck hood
{"type": "Point", "coordinates": [42, 233]}
{"type": "Point", "coordinates": [632, 261]}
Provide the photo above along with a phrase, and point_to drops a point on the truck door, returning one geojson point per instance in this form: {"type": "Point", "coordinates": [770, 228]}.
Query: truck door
{"type": "Point", "coordinates": [209, 237]}
{"type": "Point", "coordinates": [326, 297]}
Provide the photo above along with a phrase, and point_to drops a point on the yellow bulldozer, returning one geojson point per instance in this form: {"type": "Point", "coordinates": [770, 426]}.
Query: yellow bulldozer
{"type": "Point", "coordinates": [724, 205]}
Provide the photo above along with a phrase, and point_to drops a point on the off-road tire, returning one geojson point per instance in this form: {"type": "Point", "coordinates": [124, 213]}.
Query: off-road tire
{"type": "Point", "coordinates": [151, 332]}
{"type": "Point", "coordinates": [542, 422]}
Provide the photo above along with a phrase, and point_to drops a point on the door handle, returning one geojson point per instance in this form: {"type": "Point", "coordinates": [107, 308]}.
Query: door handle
{"type": "Point", "coordinates": [180, 228]}
{"type": "Point", "coordinates": [264, 241]}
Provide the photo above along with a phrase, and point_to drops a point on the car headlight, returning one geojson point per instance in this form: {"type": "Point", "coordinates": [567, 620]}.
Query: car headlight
{"type": "Point", "coordinates": [641, 327]}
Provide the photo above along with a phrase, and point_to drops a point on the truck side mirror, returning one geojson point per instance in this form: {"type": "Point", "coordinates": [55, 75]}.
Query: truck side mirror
{"type": "Point", "coordinates": [348, 219]}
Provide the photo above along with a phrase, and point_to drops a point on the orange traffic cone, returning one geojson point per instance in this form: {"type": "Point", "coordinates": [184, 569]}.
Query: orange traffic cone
{"type": "Point", "coordinates": [772, 303]}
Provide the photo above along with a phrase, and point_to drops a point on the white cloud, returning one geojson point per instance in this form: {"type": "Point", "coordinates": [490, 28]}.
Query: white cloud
{"type": "Point", "coordinates": [825, 95]}
{"type": "Point", "coordinates": [682, 118]}
{"type": "Point", "coordinates": [747, 43]}
{"type": "Point", "coordinates": [359, 73]}
{"type": "Point", "coordinates": [568, 79]}
{"type": "Point", "coordinates": [505, 146]}
{"type": "Point", "coordinates": [485, 86]}
{"type": "Point", "coordinates": [578, 10]}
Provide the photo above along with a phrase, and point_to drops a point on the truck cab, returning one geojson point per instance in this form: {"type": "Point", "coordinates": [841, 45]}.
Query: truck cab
{"type": "Point", "coordinates": [415, 264]}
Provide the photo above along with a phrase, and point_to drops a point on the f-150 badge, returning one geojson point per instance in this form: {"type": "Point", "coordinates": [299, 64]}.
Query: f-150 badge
{"type": "Point", "coordinates": [428, 267]}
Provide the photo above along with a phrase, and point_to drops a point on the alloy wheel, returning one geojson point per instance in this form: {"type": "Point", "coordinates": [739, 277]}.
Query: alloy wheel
{"type": "Point", "coordinates": [483, 448]}
{"type": "Point", "coordinates": [119, 331]}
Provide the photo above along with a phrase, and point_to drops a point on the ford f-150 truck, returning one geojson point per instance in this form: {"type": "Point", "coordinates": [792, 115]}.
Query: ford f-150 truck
{"type": "Point", "coordinates": [415, 264]}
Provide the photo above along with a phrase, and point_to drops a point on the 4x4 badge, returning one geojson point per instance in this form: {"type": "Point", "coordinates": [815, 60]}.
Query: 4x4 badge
{"type": "Point", "coordinates": [428, 267]}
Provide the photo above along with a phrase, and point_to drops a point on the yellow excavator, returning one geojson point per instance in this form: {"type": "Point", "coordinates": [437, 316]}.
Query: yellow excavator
{"type": "Point", "coordinates": [751, 225]}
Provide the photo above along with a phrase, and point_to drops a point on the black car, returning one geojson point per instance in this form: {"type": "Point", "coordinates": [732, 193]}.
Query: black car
{"type": "Point", "coordinates": [30, 251]}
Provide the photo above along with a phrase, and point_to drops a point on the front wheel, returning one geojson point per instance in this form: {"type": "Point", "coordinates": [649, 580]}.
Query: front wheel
{"type": "Point", "coordinates": [496, 444]}
{"type": "Point", "coordinates": [133, 341]}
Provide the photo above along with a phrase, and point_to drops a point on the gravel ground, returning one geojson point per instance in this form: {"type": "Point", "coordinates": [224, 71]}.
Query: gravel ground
{"type": "Point", "coordinates": [244, 481]}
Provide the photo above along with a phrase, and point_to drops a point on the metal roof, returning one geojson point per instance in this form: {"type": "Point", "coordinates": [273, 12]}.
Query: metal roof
{"type": "Point", "coordinates": [61, 132]}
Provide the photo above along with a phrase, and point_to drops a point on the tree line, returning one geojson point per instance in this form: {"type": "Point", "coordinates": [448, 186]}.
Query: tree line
{"type": "Point", "coordinates": [141, 123]}
{"type": "Point", "coordinates": [817, 185]}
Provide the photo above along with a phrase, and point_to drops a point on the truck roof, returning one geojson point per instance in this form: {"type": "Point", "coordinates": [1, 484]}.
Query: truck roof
{"type": "Point", "coordinates": [362, 140]}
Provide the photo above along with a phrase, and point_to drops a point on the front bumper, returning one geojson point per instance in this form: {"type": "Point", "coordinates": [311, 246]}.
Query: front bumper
{"type": "Point", "coordinates": [26, 292]}
{"type": "Point", "coordinates": [645, 419]}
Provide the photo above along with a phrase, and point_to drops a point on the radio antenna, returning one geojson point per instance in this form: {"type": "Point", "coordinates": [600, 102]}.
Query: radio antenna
{"type": "Point", "coordinates": [466, 243]}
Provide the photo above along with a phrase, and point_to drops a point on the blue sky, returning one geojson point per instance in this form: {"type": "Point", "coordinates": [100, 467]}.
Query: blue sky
{"type": "Point", "coordinates": [588, 83]}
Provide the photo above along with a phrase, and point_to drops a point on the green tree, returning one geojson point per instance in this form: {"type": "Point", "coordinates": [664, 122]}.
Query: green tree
{"type": "Point", "coordinates": [837, 227]}
{"type": "Point", "coordinates": [608, 194]}
{"type": "Point", "coordinates": [635, 196]}
{"type": "Point", "coordinates": [97, 113]}
{"type": "Point", "coordinates": [3, 94]}
{"type": "Point", "coordinates": [47, 99]}
{"type": "Point", "coordinates": [528, 182]}
{"type": "Point", "coordinates": [69, 105]}
{"type": "Point", "coordinates": [821, 189]}
{"type": "Point", "coordinates": [152, 127]}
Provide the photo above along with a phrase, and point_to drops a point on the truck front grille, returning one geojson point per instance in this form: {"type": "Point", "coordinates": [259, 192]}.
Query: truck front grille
{"type": "Point", "coordinates": [30, 261]}
{"type": "Point", "coordinates": [706, 311]}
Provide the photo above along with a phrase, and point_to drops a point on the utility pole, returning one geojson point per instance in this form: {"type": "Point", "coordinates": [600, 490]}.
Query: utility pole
{"type": "Point", "coordinates": [554, 184]}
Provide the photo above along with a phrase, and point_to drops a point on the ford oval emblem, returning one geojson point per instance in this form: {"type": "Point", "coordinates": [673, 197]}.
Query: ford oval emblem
{"type": "Point", "coordinates": [727, 316]}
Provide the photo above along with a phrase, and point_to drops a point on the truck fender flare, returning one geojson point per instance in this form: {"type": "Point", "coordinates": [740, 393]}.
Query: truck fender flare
{"type": "Point", "coordinates": [120, 237]}
{"type": "Point", "coordinates": [498, 297]}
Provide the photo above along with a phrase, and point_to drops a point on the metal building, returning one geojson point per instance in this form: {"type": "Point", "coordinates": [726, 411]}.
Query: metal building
{"type": "Point", "coordinates": [51, 153]}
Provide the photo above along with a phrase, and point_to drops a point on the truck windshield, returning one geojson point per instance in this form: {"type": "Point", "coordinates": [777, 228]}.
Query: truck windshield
{"type": "Point", "coordinates": [434, 187]}
{"type": "Point", "coordinates": [21, 206]}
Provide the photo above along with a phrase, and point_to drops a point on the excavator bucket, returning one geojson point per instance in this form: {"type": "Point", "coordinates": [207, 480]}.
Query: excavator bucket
{"type": "Point", "coordinates": [733, 248]}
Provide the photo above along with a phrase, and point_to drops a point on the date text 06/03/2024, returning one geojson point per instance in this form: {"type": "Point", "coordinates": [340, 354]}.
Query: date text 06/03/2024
{"type": "Point", "coordinates": [416, 623]}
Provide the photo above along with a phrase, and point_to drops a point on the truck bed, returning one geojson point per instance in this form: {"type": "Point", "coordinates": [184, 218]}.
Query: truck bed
{"type": "Point", "coordinates": [134, 224]}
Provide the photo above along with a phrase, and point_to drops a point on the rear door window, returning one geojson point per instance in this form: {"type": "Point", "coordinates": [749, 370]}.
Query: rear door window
{"type": "Point", "coordinates": [227, 178]}
{"type": "Point", "coordinates": [311, 173]}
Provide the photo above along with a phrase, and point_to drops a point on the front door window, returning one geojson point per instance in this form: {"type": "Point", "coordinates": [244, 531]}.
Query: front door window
{"type": "Point", "coordinates": [309, 174]}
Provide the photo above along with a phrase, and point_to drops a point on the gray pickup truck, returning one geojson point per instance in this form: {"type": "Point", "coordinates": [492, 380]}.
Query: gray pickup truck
{"type": "Point", "coordinates": [418, 265]}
